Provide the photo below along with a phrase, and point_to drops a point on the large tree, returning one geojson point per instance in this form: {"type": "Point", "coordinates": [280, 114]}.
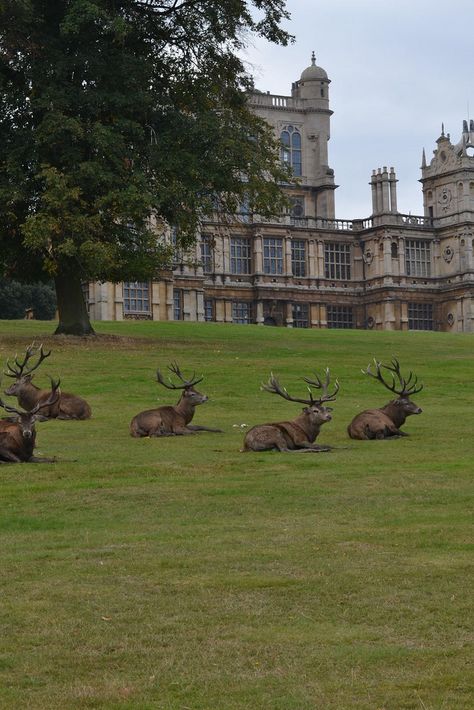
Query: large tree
{"type": "Point", "coordinates": [115, 110]}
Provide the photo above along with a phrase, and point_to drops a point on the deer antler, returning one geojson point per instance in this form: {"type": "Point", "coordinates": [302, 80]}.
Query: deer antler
{"type": "Point", "coordinates": [323, 386]}
{"type": "Point", "coordinates": [409, 386]}
{"type": "Point", "coordinates": [52, 399]}
{"type": "Point", "coordinates": [274, 387]}
{"type": "Point", "coordinates": [9, 408]}
{"type": "Point", "coordinates": [187, 383]}
{"type": "Point", "coordinates": [19, 370]}
{"type": "Point", "coordinates": [405, 387]}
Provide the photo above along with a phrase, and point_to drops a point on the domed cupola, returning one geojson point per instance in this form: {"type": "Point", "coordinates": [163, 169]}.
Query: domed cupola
{"type": "Point", "coordinates": [313, 72]}
{"type": "Point", "coordinates": [313, 85]}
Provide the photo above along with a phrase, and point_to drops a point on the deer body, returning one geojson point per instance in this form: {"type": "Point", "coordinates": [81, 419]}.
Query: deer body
{"type": "Point", "coordinates": [69, 406]}
{"type": "Point", "coordinates": [16, 444]}
{"type": "Point", "coordinates": [18, 433]}
{"type": "Point", "coordinates": [171, 420]}
{"type": "Point", "coordinates": [385, 422]}
{"type": "Point", "coordinates": [297, 434]}
{"type": "Point", "coordinates": [66, 406]}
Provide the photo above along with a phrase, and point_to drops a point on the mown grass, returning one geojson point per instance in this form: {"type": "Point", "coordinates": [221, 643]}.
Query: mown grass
{"type": "Point", "coordinates": [180, 573]}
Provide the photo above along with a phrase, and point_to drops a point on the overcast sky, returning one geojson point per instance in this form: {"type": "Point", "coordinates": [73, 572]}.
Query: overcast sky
{"type": "Point", "coordinates": [398, 69]}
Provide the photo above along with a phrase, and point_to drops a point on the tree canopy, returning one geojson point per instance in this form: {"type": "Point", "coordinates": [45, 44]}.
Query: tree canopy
{"type": "Point", "coordinates": [113, 110]}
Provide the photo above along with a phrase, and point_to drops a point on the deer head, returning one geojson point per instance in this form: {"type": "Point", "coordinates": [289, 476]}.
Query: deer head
{"type": "Point", "coordinates": [189, 394]}
{"type": "Point", "coordinates": [22, 370]}
{"type": "Point", "coordinates": [26, 420]}
{"type": "Point", "coordinates": [314, 408]}
{"type": "Point", "coordinates": [399, 385]}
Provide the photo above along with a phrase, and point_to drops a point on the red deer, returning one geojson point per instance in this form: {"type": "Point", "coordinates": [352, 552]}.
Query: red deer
{"type": "Point", "coordinates": [18, 434]}
{"type": "Point", "coordinates": [68, 406]}
{"type": "Point", "coordinates": [168, 420]}
{"type": "Point", "coordinates": [297, 435]}
{"type": "Point", "coordinates": [385, 422]}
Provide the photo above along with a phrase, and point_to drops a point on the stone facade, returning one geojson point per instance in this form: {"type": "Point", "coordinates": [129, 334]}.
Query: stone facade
{"type": "Point", "coordinates": [308, 269]}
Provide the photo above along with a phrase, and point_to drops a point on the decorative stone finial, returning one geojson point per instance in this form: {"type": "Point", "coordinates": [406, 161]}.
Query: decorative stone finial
{"type": "Point", "coordinates": [313, 59]}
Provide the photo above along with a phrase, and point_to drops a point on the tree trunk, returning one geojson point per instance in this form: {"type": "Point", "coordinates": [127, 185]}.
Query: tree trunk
{"type": "Point", "coordinates": [73, 316]}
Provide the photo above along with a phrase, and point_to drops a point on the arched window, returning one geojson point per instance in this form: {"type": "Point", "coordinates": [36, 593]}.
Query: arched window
{"type": "Point", "coordinates": [290, 138]}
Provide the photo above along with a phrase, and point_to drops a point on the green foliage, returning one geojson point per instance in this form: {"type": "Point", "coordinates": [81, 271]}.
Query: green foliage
{"type": "Point", "coordinates": [16, 297]}
{"type": "Point", "coordinates": [112, 110]}
{"type": "Point", "coordinates": [181, 573]}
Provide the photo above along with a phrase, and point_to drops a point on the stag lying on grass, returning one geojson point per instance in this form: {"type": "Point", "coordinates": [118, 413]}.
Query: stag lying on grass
{"type": "Point", "coordinates": [299, 434]}
{"type": "Point", "coordinates": [18, 434]}
{"type": "Point", "coordinates": [385, 423]}
{"type": "Point", "coordinates": [172, 420]}
{"type": "Point", "coordinates": [68, 406]}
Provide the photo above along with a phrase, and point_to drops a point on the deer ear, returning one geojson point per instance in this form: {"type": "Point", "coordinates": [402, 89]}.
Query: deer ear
{"type": "Point", "coordinates": [40, 418]}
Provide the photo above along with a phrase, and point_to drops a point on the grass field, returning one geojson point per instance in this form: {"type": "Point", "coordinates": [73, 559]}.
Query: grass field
{"type": "Point", "coordinates": [181, 574]}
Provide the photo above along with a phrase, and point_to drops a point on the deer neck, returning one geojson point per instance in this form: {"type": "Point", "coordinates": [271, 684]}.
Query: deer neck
{"type": "Point", "coordinates": [28, 395]}
{"type": "Point", "coordinates": [28, 446]}
{"type": "Point", "coordinates": [185, 410]}
{"type": "Point", "coordinates": [311, 430]}
{"type": "Point", "coordinates": [395, 413]}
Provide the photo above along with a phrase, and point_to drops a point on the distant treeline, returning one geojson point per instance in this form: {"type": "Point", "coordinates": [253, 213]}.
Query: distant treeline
{"type": "Point", "coordinates": [17, 298]}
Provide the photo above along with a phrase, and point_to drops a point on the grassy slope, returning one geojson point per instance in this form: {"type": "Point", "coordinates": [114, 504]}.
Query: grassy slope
{"type": "Point", "coordinates": [180, 573]}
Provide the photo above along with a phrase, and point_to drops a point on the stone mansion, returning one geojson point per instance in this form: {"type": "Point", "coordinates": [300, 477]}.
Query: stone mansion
{"type": "Point", "coordinates": [308, 269]}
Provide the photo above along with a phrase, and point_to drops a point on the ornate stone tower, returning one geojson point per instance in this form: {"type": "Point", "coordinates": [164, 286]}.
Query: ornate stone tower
{"type": "Point", "coordinates": [448, 181]}
{"type": "Point", "coordinates": [302, 123]}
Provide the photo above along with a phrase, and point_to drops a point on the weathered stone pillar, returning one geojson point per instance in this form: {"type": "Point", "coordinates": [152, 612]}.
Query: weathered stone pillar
{"type": "Point", "coordinates": [314, 309]}
{"type": "Point", "coordinates": [228, 311]}
{"type": "Point", "coordinates": [189, 308]}
{"type": "Point", "coordinates": [389, 315]}
{"type": "Point", "coordinates": [102, 302]}
{"type": "Point", "coordinates": [155, 300]}
{"type": "Point", "coordinates": [323, 317]}
{"type": "Point", "coordinates": [198, 257]}
{"type": "Point", "coordinates": [118, 302]}
{"type": "Point", "coordinates": [393, 191]}
{"type": "Point", "coordinates": [401, 257]}
{"type": "Point", "coordinates": [220, 311]}
{"type": "Point", "coordinates": [373, 185]}
{"type": "Point", "coordinates": [169, 300]}
{"type": "Point", "coordinates": [287, 266]}
{"type": "Point", "coordinates": [320, 272]}
{"type": "Point", "coordinates": [225, 241]}
{"type": "Point", "coordinates": [468, 253]}
{"type": "Point", "coordinates": [379, 191]}
{"type": "Point", "coordinates": [199, 305]}
{"type": "Point", "coordinates": [257, 254]}
{"type": "Point", "coordinates": [312, 262]}
{"type": "Point", "coordinates": [436, 257]}
{"type": "Point", "coordinates": [259, 319]}
{"type": "Point", "coordinates": [219, 258]}
{"type": "Point", "coordinates": [387, 256]}
{"type": "Point", "coordinates": [385, 191]}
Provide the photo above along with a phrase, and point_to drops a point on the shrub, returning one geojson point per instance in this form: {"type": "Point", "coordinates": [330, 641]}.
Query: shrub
{"type": "Point", "coordinates": [16, 298]}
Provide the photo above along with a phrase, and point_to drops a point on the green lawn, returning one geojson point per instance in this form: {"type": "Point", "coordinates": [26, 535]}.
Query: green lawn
{"type": "Point", "coordinates": [181, 574]}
